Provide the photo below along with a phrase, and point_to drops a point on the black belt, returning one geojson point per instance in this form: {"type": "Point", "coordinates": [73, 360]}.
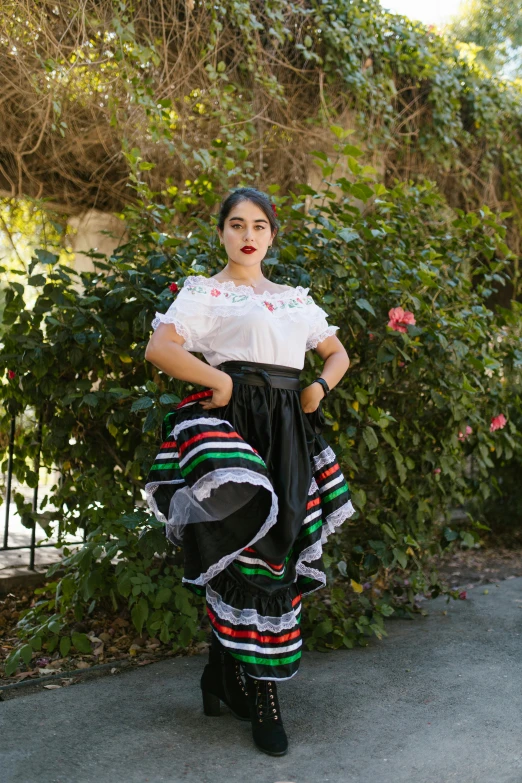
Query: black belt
{"type": "Point", "coordinates": [275, 376]}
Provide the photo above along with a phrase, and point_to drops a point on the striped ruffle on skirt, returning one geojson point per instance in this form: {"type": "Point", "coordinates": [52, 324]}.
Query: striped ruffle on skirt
{"type": "Point", "coordinates": [252, 491]}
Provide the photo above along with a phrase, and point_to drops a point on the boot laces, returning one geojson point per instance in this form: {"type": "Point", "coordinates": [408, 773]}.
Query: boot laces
{"type": "Point", "coordinates": [237, 669]}
{"type": "Point", "coordinates": [267, 704]}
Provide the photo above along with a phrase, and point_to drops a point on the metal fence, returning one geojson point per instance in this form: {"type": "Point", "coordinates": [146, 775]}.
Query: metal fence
{"type": "Point", "coordinates": [31, 548]}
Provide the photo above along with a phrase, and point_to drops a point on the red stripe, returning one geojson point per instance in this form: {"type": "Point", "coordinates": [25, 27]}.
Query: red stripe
{"type": "Point", "coordinates": [209, 434]}
{"type": "Point", "coordinates": [169, 444]}
{"type": "Point", "coordinates": [296, 599]}
{"type": "Point", "coordinates": [252, 634]}
{"type": "Point", "coordinates": [329, 471]}
{"type": "Point", "coordinates": [312, 503]}
{"type": "Point", "coordinates": [192, 397]}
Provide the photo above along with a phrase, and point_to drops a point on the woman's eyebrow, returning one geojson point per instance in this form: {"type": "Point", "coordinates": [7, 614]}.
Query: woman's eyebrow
{"type": "Point", "coordinates": [259, 220]}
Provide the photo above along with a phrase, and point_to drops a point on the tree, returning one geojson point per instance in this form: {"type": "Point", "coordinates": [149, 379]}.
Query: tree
{"type": "Point", "coordinates": [496, 27]}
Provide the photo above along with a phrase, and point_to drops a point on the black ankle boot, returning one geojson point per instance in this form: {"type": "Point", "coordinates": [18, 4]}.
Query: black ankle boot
{"type": "Point", "coordinates": [222, 681]}
{"type": "Point", "coordinates": [267, 726]}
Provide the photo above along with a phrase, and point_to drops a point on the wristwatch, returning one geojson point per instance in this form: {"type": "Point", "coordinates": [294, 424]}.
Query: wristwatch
{"type": "Point", "coordinates": [323, 383]}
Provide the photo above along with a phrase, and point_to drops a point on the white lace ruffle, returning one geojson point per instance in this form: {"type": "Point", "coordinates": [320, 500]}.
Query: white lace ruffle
{"type": "Point", "coordinates": [325, 457]}
{"type": "Point", "coordinates": [314, 339]}
{"type": "Point", "coordinates": [211, 421]}
{"type": "Point", "coordinates": [250, 616]}
{"type": "Point", "coordinates": [314, 551]}
{"type": "Point", "coordinates": [335, 519]}
{"type": "Point", "coordinates": [150, 490]}
{"type": "Point", "coordinates": [181, 328]}
{"type": "Point", "coordinates": [313, 487]}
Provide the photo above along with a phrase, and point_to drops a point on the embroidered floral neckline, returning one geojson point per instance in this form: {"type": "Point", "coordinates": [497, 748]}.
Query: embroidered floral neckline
{"type": "Point", "coordinates": [229, 285]}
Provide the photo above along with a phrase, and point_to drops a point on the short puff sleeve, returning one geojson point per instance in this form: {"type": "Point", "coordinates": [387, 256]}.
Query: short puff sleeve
{"type": "Point", "coordinates": [192, 318]}
{"type": "Point", "coordinates": [318, 328]}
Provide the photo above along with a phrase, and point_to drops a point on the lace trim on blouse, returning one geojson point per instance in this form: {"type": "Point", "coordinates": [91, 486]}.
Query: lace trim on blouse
{"type": "Point", "coordinates": [238, 300]}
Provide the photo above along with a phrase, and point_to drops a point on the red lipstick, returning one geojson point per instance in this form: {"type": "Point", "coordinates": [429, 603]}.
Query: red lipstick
{"type": "Point", "coordinates": [248, 249]}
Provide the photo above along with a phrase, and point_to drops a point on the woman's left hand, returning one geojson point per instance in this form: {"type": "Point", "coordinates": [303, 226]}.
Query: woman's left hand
{"type": "Point", "coordinates": [311, 396]}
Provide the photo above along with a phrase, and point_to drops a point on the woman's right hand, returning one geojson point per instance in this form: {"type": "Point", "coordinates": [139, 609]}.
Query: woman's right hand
{"type": "Point", "coordinates": [221, 393]}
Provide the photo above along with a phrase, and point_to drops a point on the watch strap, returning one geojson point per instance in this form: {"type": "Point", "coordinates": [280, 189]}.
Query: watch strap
{"type": "Point", "coordinates": [324, 384]}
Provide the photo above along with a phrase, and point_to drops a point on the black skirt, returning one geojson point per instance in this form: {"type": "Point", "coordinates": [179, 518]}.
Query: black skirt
{"type": "Point", "coordinates": [252, 491]}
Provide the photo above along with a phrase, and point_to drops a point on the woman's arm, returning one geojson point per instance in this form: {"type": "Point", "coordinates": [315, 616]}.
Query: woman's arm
{"type": "Point", "coordinates": [165, 351]}
{"type": "Point", "coordinates": [336, 363]}
{"type": "Point", "coordinates": [336, 360]}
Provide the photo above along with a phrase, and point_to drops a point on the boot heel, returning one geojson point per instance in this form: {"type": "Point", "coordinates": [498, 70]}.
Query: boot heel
{"type": "Point", "coordinates": [211, 705]}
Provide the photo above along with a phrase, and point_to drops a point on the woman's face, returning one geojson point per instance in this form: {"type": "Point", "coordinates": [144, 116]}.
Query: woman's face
{"type": "Point", "coordinates": [246, 234]}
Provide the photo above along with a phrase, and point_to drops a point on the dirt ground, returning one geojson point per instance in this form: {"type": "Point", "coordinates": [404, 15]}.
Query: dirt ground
{"type": "Point", "coordinates": [479, 566]}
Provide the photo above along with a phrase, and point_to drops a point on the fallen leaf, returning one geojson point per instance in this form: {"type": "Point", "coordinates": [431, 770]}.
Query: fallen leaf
{"type": "Point", "coordinates": [82, 665]}
{"type": "Point", "coordinates": [52, 687]}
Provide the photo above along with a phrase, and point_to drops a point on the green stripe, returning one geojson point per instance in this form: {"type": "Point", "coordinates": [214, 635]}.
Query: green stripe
{"type": "Point", "coordinates": [165, 465]}
{"type": "Point", "coordinates": [310, 528]}
{"type": "Point", "coordinates": [220, 455]}
{"type": "Point", "coordinates": [261, 571]}
{"type": "Point", "coordinates": [267, 661]}
{"type": "Point", "coordinates": [335, 494]}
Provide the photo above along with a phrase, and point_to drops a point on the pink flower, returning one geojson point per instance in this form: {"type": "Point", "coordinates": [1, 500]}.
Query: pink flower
{"type": "Point", "coordinates": [401, 364]}
{"type": "Point", "coordinates": [399, 317]}
{"type": "Point", "coordinates": [463, 595]}
{"type": "Point", "coordinates": [11, 374]}
{"type": "Point", "coordinates": [371, 336]}
{"type": "Point", "coordinates": [436, 470]}
{"type": "Point", "coordinates": [468, 433]}
{"type": "Point", "coordinates": [174, 288]}
{"type": "Point", "coordinates": [269, 305]}
{"type": "Point", "coordinates": [274, 209]}
{"type": "Point", "coordinates": [497, 422]}
{"type": "Point", "coordinates": [215, 292]}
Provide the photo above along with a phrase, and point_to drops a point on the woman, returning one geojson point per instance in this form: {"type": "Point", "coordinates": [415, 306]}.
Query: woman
{"type": "Point", "coordinates": [244, 478]}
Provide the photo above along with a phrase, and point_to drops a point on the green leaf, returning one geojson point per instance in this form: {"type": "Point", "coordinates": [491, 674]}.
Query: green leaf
{"type": "Point", "coordinates": [139, 614]}
{"type": "Point", "coordinates": [370, 438]}
{"type": "Point", "coordinates": [142, 404]}
{"type": "Point", "coordinates": [365, 305]}
{"type": "Point", "coordinates": [91, 399]}
{"type": "Point", "coordinates": [169, 399]}
{"type": "Point", "coordinates": [162, 596]}
{"type": "Point", "coordinates": [348, 234]}
{"type": "Point", "coordinates": [387, 529]}
{"type": "Point", "coordinates": [26, 653]}
{"type": "Point", "coordinates": [12, 663]}
{"type": "Point", "coordinates": [37, 280]}
{"type": "Point", "coordinates": [65, 645]}
{"type": "Point", "coordinates": [81, 642]}
{"type": "Point", "coordinates": [401, 557]}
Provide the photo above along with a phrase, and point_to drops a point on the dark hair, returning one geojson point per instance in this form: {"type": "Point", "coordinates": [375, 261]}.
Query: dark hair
{"type": "Point", "coordinates": [257, 197]}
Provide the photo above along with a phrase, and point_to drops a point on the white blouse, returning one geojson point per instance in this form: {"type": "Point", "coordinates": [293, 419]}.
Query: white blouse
{"type": "Point", "coordinates": [227, 322]}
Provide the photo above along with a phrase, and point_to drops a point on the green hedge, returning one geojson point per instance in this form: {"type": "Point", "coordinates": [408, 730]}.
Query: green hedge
{"type": "Point", "coordinates": [394, 420]}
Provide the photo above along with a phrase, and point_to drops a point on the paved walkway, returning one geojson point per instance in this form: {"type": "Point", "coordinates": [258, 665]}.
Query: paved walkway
{"type": "Point", "coordinates": [439, 700]}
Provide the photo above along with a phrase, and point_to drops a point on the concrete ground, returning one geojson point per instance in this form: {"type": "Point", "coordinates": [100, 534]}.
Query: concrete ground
{"type": "Point", "coordinates": [439, 700]}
